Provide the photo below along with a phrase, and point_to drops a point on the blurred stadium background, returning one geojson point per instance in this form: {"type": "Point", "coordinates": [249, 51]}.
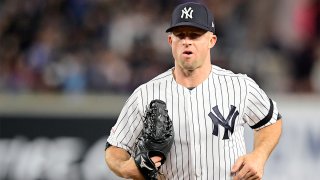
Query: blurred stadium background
{"type": "Point", "coordinates": [67, 67]}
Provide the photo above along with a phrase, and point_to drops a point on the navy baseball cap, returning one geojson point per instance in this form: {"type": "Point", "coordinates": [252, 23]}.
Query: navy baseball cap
{"type": "Point", "coordinates": [192, 14]}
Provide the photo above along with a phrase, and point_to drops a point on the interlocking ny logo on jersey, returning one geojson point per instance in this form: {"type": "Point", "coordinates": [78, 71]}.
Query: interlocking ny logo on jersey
{"type": "Point", "coordinates": [218, 119]}
{"type": "Point", "coordinates": [187, 13]}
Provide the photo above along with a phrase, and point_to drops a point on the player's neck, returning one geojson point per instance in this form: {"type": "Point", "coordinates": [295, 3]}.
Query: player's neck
{"type": "Point", "coordinates": [191, 78]}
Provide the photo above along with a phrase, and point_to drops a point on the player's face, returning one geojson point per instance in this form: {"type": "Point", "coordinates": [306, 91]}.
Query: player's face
{"type": "Point", "coordinates": [191, 46]}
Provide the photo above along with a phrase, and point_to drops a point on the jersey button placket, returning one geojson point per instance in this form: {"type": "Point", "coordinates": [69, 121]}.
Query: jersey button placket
{"type": "Point", "coordinates": [194, 128]}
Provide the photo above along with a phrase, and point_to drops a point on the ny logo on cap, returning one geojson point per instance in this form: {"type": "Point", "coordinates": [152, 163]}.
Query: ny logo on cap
{"type": "Point", "coordinates": [187, 13]}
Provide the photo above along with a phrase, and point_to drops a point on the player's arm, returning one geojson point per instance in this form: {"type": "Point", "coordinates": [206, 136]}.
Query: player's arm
{"type": "Point", "coordinates": [266, 139]}
{"type": "Point", "coordinates": [118, 158]}
{"type": "Point", "coordinates": [121, 163]}
{"type": "Point", "coordinates": [251, 166]}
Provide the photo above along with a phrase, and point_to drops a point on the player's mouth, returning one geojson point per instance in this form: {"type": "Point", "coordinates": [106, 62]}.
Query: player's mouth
{"type": "Point", "coordinates": [187, 53]}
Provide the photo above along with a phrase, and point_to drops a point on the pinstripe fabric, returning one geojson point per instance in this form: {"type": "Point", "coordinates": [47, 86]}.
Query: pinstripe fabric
{"type": "Point", "coordinates": [198, 152]}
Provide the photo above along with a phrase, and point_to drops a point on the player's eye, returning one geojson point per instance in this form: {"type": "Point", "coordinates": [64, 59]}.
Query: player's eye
{"type": "Point", "coordinates": [180, 35]}
{"type": "Point", "coordinates": [194, 35]}
{"type": "Point", "coordinates": [191, 35]}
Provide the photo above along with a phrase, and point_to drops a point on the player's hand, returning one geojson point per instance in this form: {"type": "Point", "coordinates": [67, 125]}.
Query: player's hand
{"type": "Point", "coordinates": [156, 160]}
{"type": "Point", "coordinates": [248, 167]}
{"type": "Point", "coordinates": [131, 170]}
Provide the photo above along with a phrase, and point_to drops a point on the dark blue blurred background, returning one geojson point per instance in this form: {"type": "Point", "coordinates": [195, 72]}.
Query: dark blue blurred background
{"type": "Point", "coordinates": [98, 46]}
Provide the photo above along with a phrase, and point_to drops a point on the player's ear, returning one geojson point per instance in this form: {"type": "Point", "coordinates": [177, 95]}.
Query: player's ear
{"type": "Point", "coordinates": [170, 39]}
{"type": "Point", "coordinates": [212, 41]}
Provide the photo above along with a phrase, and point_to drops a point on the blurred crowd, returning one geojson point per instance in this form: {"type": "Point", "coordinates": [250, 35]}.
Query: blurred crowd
{"type": "Point", "coordinates": [99, 46]}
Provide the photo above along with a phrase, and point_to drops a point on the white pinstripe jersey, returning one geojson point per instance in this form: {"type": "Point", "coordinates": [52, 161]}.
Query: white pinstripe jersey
{"type": "Point", "coordinates": [208, 121]}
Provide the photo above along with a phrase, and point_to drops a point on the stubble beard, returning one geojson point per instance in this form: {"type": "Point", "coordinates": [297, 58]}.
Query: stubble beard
{"type": "Point", "coordinates": [188, 67]}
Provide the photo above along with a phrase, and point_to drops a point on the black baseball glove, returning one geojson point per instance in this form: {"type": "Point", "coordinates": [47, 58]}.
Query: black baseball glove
{"type": "Point", "coordinates": [155, 140]}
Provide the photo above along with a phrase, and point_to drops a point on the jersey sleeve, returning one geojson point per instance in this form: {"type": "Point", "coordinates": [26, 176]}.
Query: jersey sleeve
{"type": "Point", "coordinates": [129, 124]}
{"type": "Point", "coordinates": [260, 110]}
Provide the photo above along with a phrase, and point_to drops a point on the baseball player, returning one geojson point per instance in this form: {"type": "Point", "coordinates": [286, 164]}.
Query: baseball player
{"type": "Point", "coordinates": [208, 106]}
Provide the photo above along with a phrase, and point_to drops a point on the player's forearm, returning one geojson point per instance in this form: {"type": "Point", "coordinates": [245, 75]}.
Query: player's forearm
{"type": "Point", "coordinates": [120, 162]}
{"type": "Point", "coordinates": [266, 139]}
{"type": "Point", "coordinates": [115, 158]}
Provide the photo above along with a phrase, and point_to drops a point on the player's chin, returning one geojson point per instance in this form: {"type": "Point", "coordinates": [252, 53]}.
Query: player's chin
{"type": "Point", "coordinates": [189, 65]}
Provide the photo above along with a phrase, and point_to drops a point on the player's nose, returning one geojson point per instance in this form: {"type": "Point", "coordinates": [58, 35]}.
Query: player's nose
{"type": "Point", "coordinates": [186, 41]}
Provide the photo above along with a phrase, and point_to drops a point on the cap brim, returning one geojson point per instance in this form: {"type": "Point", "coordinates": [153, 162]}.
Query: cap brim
{"type": "Point", "coordinates": [187, 24]}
